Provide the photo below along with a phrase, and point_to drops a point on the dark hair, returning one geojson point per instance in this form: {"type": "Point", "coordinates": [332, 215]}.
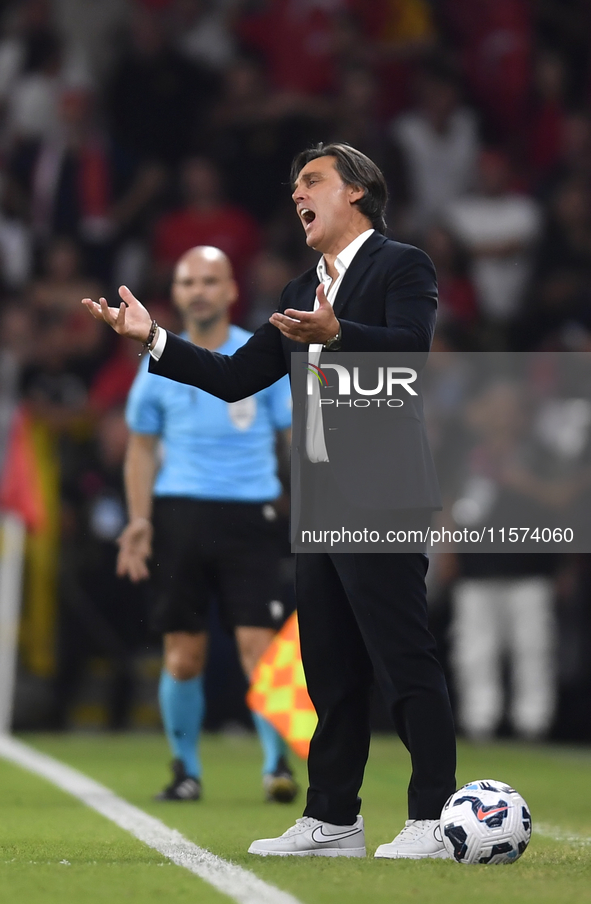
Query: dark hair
{"type": "Point", "coordinates": [354, 168]}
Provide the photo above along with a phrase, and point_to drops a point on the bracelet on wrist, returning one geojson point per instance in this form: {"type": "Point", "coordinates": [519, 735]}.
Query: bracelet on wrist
{"type": "Point", "coordinates": [148, 343]}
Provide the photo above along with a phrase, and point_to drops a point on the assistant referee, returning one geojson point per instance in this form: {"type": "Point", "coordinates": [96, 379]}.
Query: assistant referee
{"type": "Point", "coordinates": [201, 484]}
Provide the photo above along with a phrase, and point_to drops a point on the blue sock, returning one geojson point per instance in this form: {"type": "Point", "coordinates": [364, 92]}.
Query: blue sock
{"type": "Point", "coordinates": [182, 707]}
{"type": "Point", "coordinates": [272, 743]}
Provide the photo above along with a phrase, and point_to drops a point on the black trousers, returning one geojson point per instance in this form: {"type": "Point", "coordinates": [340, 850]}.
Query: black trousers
{"type": "Point", "coordinates": [360, 615]}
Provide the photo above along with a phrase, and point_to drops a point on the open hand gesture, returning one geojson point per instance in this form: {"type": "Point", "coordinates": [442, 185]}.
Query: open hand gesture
{"type": "Point", "coordinates": [308, 326]}
{"type": "Point", "coordinates": [129, 319]}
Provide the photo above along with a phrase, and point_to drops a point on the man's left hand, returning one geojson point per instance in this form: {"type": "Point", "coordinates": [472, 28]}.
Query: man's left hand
{"type": "Point", "coordinates": [308, 326]}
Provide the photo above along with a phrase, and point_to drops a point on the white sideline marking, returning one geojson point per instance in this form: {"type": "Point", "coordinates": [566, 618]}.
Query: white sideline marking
{"type": "Point", "coordinates": [239, 884]}
{"type": "Point", "coordinates": [558, 834]}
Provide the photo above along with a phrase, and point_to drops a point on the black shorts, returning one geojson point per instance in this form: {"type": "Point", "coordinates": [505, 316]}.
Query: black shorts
{"type": "Point", "coordinates": [227, 550]}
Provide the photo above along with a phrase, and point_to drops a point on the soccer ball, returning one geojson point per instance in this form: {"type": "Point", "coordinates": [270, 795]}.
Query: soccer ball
{"type": "Point", "coordinates": [486, 822]}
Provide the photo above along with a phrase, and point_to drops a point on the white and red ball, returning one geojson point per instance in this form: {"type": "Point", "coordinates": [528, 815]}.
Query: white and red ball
{"type": "Point", "coordinates": [486, 822]}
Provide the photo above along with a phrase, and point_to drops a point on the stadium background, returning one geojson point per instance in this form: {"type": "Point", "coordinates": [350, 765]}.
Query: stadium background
{"type": "Point", "coordinates": [130, 131]}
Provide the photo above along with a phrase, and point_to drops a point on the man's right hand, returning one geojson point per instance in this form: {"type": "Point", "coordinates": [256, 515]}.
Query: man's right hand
{"type": "Point", "coordinates": [130, 319]}
{"type": "Point", "coordinates": [135, 548]}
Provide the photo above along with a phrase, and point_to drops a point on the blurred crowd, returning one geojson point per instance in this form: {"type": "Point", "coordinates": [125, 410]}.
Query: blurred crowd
{"type": "Point", "coordinates": [132, 130]}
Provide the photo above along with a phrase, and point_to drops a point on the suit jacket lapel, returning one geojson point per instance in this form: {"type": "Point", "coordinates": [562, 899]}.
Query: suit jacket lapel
{"type": "Point", "coordinates": [360, 264]}
{"type": "Point", "coordinates": [305, 302]}
{"type": "Point", "coordinates": [307, 295]}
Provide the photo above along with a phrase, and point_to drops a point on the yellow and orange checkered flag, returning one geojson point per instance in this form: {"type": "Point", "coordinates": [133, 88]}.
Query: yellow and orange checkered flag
{"type": "Point", "coordinates": [278, 689]}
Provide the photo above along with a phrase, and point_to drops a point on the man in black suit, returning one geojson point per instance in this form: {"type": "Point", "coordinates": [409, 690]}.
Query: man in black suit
{"type": "Point", "coordinates": [361, 615]}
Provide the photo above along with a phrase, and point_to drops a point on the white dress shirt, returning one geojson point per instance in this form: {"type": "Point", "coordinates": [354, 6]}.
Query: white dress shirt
{"type": "Point", "coordinates": [315, 445]}
{"type": "Point", "coordinates": [158, 347]}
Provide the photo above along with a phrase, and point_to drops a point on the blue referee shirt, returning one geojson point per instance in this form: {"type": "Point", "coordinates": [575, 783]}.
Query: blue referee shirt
{"type": "Point", "coordinates": [211, 449]}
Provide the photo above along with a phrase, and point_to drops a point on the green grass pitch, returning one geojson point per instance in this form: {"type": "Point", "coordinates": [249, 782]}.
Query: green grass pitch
{"type": "Point", "coordinates": [53, 849]}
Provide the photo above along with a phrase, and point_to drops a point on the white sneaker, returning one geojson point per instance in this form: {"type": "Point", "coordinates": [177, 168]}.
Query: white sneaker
{"type": "Point", "coordinates": [419, 838]}
{"type": "Point", "coordinates": [310, 837]}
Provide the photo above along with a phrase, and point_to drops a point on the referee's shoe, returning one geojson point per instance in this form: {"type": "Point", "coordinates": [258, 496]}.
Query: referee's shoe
{"type": "Point", "coordinates": [280, 786]}
{"type": "Point", "coordinates": [182, 787]}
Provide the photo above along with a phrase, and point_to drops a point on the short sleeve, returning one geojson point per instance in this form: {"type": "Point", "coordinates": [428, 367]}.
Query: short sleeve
{"type": "Point", "coordinates": [278, 397]}
{"type": "Point", "coordinates": [144, 410]}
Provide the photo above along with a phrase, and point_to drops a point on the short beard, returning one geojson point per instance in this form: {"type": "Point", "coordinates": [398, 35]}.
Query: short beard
{"type": "Point", "coordinates": [205, 326]}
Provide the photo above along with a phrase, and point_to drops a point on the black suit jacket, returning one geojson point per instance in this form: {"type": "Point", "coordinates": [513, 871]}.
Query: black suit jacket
{"type": "Point", "coordinates": [386, 302]}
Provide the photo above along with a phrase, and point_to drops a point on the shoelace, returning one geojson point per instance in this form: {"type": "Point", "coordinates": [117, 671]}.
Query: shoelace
{"type": "Point", "coordinates": [413, 829]}
{"type": "Point", "coordinates": [304, 822]}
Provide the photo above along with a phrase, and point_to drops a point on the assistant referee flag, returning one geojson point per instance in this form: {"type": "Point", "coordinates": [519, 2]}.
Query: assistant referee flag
{"type": "Point", "coordinates": [278, 689]}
